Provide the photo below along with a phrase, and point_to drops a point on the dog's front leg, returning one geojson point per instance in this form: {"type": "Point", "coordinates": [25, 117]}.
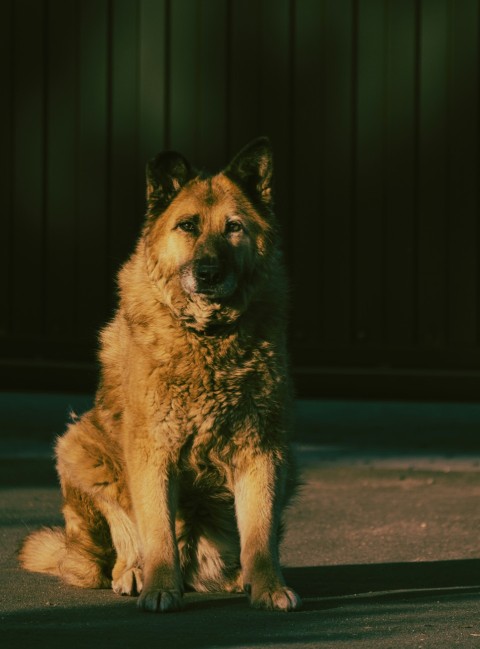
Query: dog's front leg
{"type": "Point", "coordinates": [259, 496]}
{"type": "Point", "coordinates": [153, 485]}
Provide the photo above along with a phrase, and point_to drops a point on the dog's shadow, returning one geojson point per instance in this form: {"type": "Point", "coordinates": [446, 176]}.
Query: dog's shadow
{"type": "Point", "coordinates": [228, 621]}
{"type": "Point", "coordinates": [330, 586]}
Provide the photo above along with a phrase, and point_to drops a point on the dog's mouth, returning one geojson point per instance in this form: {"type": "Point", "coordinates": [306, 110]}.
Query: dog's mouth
{"type": "Point", "coordinates": [208, 281]}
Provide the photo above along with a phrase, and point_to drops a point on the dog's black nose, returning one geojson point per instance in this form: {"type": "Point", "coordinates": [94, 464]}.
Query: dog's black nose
{"type": "Point", "coordinates": [208, 271]}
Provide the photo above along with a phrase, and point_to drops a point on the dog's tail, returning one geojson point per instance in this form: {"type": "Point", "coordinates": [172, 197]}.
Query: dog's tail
{"type": "Point", "coordinates": [44, 551]}
{"type": "Point", "coordinates": [49, 551]}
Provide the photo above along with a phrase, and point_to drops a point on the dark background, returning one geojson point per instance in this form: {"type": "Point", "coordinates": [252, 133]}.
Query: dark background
{"type": "Point", "coordinates": [373, 110]}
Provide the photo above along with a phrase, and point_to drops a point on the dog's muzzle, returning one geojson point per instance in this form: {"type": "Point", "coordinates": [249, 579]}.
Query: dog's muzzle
{"type": "Point", "coordinates": [209, 277]}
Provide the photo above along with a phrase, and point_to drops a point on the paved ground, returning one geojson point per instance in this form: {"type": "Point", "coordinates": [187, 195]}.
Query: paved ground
{"type": "Point", "coordinates": [383, 543]}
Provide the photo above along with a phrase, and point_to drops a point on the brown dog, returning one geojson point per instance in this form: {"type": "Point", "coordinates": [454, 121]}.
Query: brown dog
{"type": "Point", "coordinates": [179, 474]}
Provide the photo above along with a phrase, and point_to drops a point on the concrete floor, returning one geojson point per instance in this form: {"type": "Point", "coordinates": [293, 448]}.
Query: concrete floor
{"type": "Point", "coordinates": [382, 543]}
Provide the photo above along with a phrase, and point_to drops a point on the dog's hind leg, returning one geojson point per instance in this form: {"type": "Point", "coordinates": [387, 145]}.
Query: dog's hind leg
{"type": "Point", "coordinates": [127, 576]}
{"type": "Point", "coordinates": [93, 462]}
{"type": "Point", "coordinates": [89, 555]}
{"type": "Point", "coordinates": [99, 540]}
{"type": "Point", "coordinates": [81, 553]}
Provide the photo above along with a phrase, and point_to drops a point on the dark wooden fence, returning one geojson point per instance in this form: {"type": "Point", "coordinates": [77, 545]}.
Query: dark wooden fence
{"type": "Point", "coordinates": [373, 110]}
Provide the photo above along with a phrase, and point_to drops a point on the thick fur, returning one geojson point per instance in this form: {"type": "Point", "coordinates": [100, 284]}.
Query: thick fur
{"type": "Point", "coordinates": [179, 474]}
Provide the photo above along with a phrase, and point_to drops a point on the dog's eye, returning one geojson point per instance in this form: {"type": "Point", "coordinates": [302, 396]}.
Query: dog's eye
{"type": "Point", "coordinates": [233, 226]}
{"type": "Point", "coordinates": [188, 226]}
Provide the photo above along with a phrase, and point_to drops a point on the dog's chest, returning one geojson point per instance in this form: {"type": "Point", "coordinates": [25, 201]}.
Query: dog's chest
{"type": "Point", "coordinates": [208, 396]}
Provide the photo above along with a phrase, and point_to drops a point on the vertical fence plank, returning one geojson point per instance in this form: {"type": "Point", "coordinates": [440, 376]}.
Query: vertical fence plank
{"type": "Point", "coordinates": [369, 284]}
{"type": "Point", "coordinates": [92, 207]}
{"type": "Point", "coordinates": [127, 183]}
{"type": "Point", "coordinates": [244, 72]}
{"type": "Point", "coordinates": [184, 77]}
{"type": "Point", "coordinates": [307, 173]}
{"type": "Point", "coordinates": [153, 85]}
{"type": "Point", "coordinates": [337, 154]}
{"type": "Point", "coordinates": [28, 168]}
{"type": "Point", "coordinates": [400, 165]}
{"type": "Point", "coordinates": [275, 101]}
{"type": "Point", "coordinates": [433, 176]}
{"type": "Point", "coordinates": [6, 130]}
{"type": "Point", "coordinates": [211, 140]}
{"type": "Point", "coordinates": [60, 188]}
{"type": "Point", "coordinates": [463, 229]}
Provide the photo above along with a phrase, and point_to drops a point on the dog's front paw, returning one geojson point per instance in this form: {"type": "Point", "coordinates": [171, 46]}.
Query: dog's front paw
{"type": "Point", "coordinates": [160, 601]}
{"type": "Point", "coordinates": [278, 599]}
{"type": "Point", "coordinates": [130, 582]}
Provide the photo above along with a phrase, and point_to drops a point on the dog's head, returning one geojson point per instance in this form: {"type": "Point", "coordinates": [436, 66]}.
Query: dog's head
{"type": "Point", "coordinates": [210, 238]}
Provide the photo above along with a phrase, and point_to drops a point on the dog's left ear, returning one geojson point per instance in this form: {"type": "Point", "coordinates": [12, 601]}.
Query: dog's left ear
{"type": "Point", "coordinates": [252, 169]}
{"type": "Point", "coordinates": [166, 174]}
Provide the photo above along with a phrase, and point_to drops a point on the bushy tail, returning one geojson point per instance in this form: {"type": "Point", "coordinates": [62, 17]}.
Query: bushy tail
{"type": "Point", "coordinates": [49, 551]}
{"type": "Point", "coordinates": [44, 551]}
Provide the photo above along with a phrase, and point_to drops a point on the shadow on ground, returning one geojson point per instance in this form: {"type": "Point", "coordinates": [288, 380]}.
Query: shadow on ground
{"type": "Point", "coordinates": [378, 593]}
{"type": "Point", "coordinates": [382, 581]}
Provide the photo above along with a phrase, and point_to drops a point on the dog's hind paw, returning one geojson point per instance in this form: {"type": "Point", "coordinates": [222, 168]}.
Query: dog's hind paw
{"type": "Point", "coordinates": [280, 599]}
{"type": "Point", "coordinates": [160, 601]}
{"type": "Point", "coordinates": [130, 582]}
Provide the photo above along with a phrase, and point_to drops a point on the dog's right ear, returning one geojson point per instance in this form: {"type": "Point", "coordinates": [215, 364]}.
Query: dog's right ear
{"type": "Point", "coordinates": [167, 173]}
